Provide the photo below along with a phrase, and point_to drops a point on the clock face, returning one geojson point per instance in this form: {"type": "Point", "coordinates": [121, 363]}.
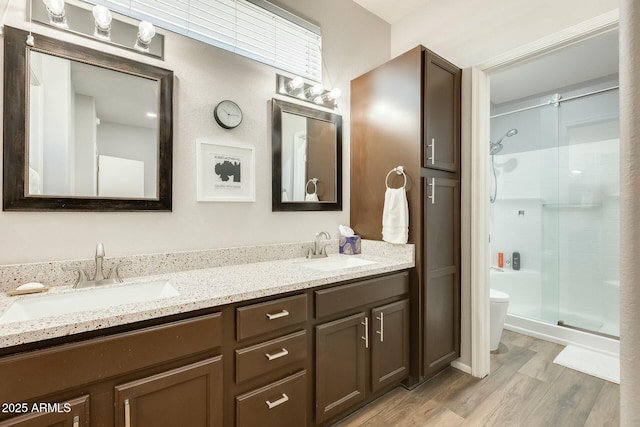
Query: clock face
{"type": "Point", "coordinates": [228, 114]}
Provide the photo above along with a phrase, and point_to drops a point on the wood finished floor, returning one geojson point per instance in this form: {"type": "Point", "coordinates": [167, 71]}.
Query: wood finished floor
{"type": "Point", "coordinates": [525, 388]}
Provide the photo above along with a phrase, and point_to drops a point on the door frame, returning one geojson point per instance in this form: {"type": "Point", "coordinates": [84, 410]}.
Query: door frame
{"type": "Point", "coordinates": [480, 111]}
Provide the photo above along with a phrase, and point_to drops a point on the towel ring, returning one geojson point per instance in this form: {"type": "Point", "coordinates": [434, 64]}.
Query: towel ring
{"type": "Point", "coordinates": [314, 181]}
{"type": "Point", "coordinates": [400, 171]}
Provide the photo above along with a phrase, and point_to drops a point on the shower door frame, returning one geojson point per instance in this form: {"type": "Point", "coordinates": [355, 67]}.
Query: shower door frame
{"type": "Point", "coordinates": [478, 116]}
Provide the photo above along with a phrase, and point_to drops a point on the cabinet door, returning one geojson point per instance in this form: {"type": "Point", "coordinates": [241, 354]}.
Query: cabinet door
{"type": "Point", "coordinates": [389, 344]}
{"type": "Point", "coordinates": [442, 272]}
{"type": "Point", "coordinates": [189, 396]}
{"type": "Point", "coordinates": [73, 413]}
{"type": "Point", "coordinates": [441, 114]}
{"type": "Point", "coordinates": [341, 348]}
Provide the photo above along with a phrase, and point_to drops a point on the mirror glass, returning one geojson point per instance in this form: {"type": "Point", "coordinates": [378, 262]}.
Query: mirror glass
{"type": "Point", "coordinates": [83, 129]}
{"type": "Point", "coordinates": [93, 132]}
{"type": "Point", "coordinates": [307, 148]}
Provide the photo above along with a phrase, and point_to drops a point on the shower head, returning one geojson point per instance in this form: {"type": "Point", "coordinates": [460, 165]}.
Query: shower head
{"type": "Point", "coordinates": [496, 147]}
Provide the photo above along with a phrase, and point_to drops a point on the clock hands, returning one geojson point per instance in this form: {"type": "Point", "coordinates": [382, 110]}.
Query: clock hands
{"type": "Point", "coordinates": [229, 114]}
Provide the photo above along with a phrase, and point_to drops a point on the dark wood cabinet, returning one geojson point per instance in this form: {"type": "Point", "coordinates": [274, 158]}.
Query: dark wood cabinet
{"type": "Point", "coordinates": [166, 373]}
{"type": "Point", "coordinates": [419, 130]}
{"type": "Point", "coordinates": [442, 271]}
{"type": "Point", "coordinates": [366, 350]}
{"type": "Point", "coordinates": [187, 396]}
{"type": "Point", "coordinates": [441, 114]}
{"type": "Point", "coordinates": [341, 365]}
{"type": "Point", "coordinates": [72, 413]}
{"type": "Point", "coordinates": [302, 359]}
{"type": "Point", "coordinates": [389, 344]}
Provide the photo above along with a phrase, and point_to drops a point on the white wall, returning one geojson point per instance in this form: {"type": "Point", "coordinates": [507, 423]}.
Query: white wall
{"type": "Point", "coordinates": [134, 143]}
{"type": "Point", "coordinates": [354, 41]}
{"type": "Point", "coordinates": [85, 152]}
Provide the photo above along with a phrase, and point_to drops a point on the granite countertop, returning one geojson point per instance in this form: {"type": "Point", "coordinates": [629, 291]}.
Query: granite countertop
{"type": "Point", "coordinates": [201, 288]}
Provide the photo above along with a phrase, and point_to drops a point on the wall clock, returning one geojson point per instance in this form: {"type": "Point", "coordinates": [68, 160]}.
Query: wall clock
{"type": "Point", "coordinates": [228, 114]}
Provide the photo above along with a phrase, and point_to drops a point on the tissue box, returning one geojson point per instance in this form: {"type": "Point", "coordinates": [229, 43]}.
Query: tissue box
{"type": "Point", "coordinates": [349, 245]}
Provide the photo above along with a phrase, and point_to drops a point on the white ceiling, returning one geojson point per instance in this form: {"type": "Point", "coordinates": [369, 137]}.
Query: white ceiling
{"type": "Point", "coordinates": [391, 10]}
{"type": "Point", "coordinates": [581, 62]}
{"type": "Point", "coordinates": [588, 60]}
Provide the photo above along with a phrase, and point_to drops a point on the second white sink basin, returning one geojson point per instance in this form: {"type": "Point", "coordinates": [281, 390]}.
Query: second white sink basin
{"type": "Point", "coordinates": [32, 307]}
{"type": "Point", "coordinates": [334, 263]}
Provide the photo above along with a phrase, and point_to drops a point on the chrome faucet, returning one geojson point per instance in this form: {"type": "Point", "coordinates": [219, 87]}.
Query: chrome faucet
{"type": "Point", "coordinates": [100, 278]}
{"type": "Point", "coordinates": [318, 250]}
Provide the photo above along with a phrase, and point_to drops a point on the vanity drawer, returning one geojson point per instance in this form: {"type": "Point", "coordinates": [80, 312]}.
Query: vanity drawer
{"type": "Point", "coordinates": [268, 356]}
{"type": "Point", "coordinates": [88, 361]}
{"type": "Point", "coordinates": [343, 298]}
{"type": "Point", "coordinates": [270, 316]}
{"type": "Point", "coordinates": [282, 403]}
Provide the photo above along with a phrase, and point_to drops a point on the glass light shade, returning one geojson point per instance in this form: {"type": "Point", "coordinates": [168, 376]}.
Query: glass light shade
{"type": "Point", "coordinates": [55, 7]}
{"type": "Point", "coordinates": [335, 93]}
{"type": "Point", "coordinates": [146, 31]}
{"type": "Point", "coordinates": [103, 17]}
{"type": "Point", "coordinates": [317, 89]}
{"type": "Point", "coordinates": [295, 83]}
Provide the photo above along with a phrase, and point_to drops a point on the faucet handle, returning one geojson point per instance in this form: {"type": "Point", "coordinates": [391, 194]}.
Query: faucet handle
{"type": "Point", "coordinates": [82, 275]}
{"type": "Point", "coordinates": [115, 271]}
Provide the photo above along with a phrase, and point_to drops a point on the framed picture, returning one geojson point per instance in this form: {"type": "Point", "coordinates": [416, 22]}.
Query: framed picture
{"type": "Point", "coordinates": [225, 171]}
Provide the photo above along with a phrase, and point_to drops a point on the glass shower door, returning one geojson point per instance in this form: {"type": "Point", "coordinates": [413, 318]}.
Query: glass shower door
{"type": "Point", "coordinates": [587, 213]}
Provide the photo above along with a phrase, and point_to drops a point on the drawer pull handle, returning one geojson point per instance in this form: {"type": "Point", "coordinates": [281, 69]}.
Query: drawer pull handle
{"type": "Point", "coordinates": [283, 313]}
{"type": "Point", "coordinates": [127, 413]}
{"type": "Point", "coordinates": [366, 332]}
{"type": "Point", "coordinates": [381, 331]}
{"type": "Point", "coordinates": [278, 402]}
{"type": "Point", "coordinates": [76, 421]}
{"type": "Point", "coordinates": [278, 355]}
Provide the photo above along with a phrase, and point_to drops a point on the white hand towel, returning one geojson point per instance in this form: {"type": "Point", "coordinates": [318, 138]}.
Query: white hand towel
{"type": "Point", "coordinates": [395, 216]}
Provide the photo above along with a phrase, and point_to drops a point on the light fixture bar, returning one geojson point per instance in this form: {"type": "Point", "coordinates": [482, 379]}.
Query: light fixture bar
{"type": "Point", "coordinates": [81, 21]}
{"type": "Point", "coordinates": [313, 93]}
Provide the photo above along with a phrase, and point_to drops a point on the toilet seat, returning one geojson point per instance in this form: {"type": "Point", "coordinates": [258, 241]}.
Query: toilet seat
{"type": "Point", "coordinates": [497, 296]}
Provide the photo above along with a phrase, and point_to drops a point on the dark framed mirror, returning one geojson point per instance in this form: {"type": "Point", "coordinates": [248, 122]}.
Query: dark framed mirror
{"type": "Point", "coordinates": [84, 130]}
{"type": "Point", "coordinates": [307, 158]}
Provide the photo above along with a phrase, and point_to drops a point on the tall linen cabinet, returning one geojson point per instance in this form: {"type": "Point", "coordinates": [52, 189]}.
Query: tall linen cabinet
{"type": "Point", "coordinates": [407, 113]}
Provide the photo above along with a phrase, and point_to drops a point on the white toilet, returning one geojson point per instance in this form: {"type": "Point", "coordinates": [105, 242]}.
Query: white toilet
{"type": "Point", "coordinates": [499, 303]}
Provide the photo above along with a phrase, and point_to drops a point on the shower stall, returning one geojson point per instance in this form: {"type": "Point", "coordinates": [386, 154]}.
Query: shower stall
{"type": "Point", "coordinates": [555, 201]}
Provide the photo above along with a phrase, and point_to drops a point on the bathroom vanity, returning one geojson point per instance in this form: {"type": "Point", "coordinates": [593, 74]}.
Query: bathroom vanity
{"type": "Point", "coordinates": [306, 351]}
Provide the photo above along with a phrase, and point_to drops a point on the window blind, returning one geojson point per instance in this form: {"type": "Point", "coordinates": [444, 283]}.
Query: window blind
{"type": "Point", "coordinates": [255, 29]}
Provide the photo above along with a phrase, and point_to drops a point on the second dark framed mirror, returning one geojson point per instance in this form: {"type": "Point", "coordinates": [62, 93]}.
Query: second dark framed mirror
{"type": "Point", "coordinates": [307, 158]}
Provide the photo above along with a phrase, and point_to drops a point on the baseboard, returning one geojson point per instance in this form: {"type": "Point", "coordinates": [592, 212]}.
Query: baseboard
{"type": "Point", "coordinates": [461, 366]}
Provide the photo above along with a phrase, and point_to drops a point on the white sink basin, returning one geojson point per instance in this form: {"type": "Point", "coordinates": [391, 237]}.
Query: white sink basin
{"type": "Point", "coordinates": [32, 307]}
{"type": "Point", "coordinates": [334, 263]}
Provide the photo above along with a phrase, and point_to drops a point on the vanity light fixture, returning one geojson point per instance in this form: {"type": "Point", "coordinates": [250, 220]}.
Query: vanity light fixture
{"type": "Point", "coordinates": [97, 22]}
{"type": "Point", "coordinates": [296, 87]}
{"type": "Point", "coordinates": [146, 32]}
{"type": "Point", "coordinates": [102, 18]}
{"type": "Point", "coordinates": [55, 10]}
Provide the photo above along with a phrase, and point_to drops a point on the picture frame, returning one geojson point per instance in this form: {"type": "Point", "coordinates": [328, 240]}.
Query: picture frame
{"type": "Point", "coordinates": [225, 171]}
